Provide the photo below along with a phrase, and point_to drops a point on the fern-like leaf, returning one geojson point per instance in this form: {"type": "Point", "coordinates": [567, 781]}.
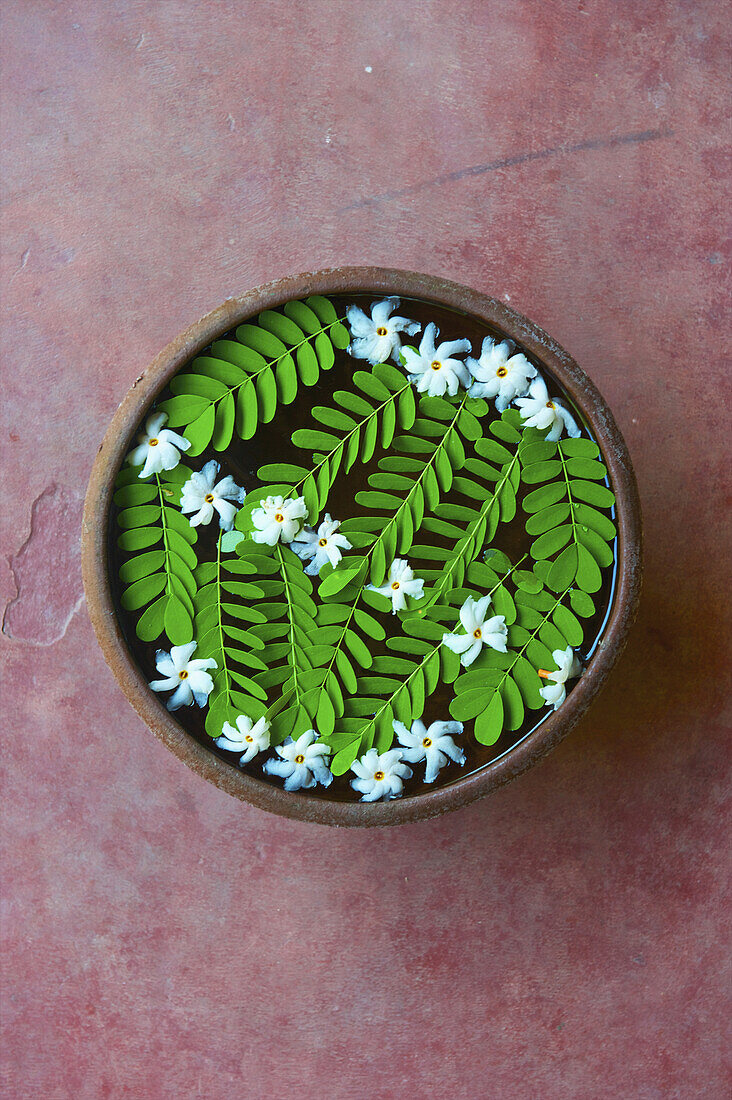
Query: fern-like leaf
{"type": "Point", "coordinates": [158, 571]}
{"type": "Point", "coordinates": [239, 383]}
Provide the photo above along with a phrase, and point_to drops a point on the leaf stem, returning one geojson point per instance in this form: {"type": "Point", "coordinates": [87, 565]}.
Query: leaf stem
{"type": "Point", "coordinates": [382, 534]}
{"type": "Point", "coordinates": [462, 547]}
{"type": "Point", "coordinates": [166, 545]}
{"type": "Point", "coordinates": [531, 637]}
{"type": "Point", "coordinates": [291, 620]}
{"type": "Point", "coordinates": [273, 362]}
{"type": "Point", "coordinates": [375, 412]}
{"type": "Point", "coordinates": [575, 539]}
{"type": "Point", "coordinates": [372, 722]}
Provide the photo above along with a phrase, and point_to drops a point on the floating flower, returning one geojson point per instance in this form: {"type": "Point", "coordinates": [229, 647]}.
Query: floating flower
{"type": "Point", "coordinates": [245, 738]}
{"type": "Point", "coordinates": [568, 666]}
{"type": "Point", "coordinates": [277, 519]}
{"type": "Point", "coordinates": [433, 369]}
{"type": "Point", "coordinates": [539, 410]}
{"type": "Point", "coordinates": [380, 776]}
{"type": "Point", "coordinates": [189, 678]}
{"type": "Point", "coordinates": [434, 745]}
{"type": "Point", "coordinates": [158, 448]}
{"type": "Point", "coordinates": [301, 762]}
{"type": "Point", "coordinates": [500, 374]}
{"type": "Point", "coordinates": [377, 337]}
{"type": "Point", "coordinates": [200, 495]}
{"type": "Point", "coordinates": [479, 631]}
{"type": "Point", "coordinates": [401, 583]}
{"type": "Point", "coordinates": [321, 546]}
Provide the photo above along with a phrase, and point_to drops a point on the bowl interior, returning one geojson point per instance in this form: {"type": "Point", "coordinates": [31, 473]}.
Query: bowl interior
{"type": "Point", "coordinates": [458, 313]}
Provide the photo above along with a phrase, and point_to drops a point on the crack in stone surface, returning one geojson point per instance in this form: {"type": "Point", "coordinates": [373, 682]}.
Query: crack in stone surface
{"type": "Point", "coordinates": [46, 571]}
{"type": "Point", "coordinates": [510, 162]}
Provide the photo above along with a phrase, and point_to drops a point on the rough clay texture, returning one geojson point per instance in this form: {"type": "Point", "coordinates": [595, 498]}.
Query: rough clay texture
{"type": "Point", "coordinates": [564, 938]}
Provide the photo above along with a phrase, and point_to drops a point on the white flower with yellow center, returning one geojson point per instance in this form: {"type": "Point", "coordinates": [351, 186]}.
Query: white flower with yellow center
{"type": "Point", "coordinates": [187, 679]}
{"type": "Point", "coordinates": [301, 763]}
{"type": "Point", "coordinates": [377, 337]}
{"type": "Point", "coordinates": [479, 631]}
{"type": "Point", "coordinates": [400, 584]}
{"type": "Point", "coordinates": [157, 447]}
{"type": "Point", "coordinates": [321, 546]}
{"type": "Point", "coordinates": [245, 738]}
{"type": "Point", "coordinates": [500, 374]}
{"type": "Point", "coordinates": [541, 411]}
{"type": "Point", "coordinates": [434, 745]}
{"type": "Point", "coordinates": [380, 776]}
{"type": "Point", "coordinates": [434, 370]}
{"type": "Point", "coordinates": [568, 666]}
{"type": "Point", "coordinates": [204, 495]}
{"type": "Point", "coordinates": [278, 520]}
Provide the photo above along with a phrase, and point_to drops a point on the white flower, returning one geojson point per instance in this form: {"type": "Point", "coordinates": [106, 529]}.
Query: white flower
{"type": "Point", "coordinates": [500, 374]}
{"type": "Point", "coordinates": [158, 448]}
{"type": "Point", "coordinates": [433, 745]}
{"type": "Point", "coordinates": [479, 631]}
{"type": "Point", "coordinates": [541, 411]}
{"type": "Point", "coordinates": [401, 583]}
{"type": "Point", "coordinates": [380, 776]}
{"type": "Point", "coordinates": [433, 369]}
{"type": "Point", "coordinates": [568, 666]}
{"type": "Point", "coordinates": [301, 762]}
{"type": "Point", "coordinates": [252, 739]}
{"type": "Point", "coordinates": [377, 336]}
{"type": "Point", "coordinates": [321, 546]}
{"type": "Point", "coordinates": [278, 519]}
{"type": "Point", "coordinates": [202, 496]}
{"type": "Point", "coordinates": [187, 677]}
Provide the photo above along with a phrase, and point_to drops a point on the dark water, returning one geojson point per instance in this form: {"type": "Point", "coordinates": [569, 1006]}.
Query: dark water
{"type": "Point", "coordinates": [273, 443]}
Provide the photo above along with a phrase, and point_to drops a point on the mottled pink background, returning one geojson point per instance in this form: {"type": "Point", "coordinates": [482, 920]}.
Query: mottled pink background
{"type": "Point", "coordinates": [565, 938]}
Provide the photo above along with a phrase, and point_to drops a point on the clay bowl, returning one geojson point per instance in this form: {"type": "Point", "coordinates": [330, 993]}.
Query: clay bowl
{"type": "Point", "coordinates": [117, 443]}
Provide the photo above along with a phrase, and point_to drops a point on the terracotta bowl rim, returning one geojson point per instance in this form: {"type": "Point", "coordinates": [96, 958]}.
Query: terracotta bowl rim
{"type": "Point", "coordinates": [116, 444]}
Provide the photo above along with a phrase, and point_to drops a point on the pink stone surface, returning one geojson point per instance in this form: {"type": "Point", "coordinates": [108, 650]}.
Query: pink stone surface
{"type": "Point", "coordinates": [566, 938]}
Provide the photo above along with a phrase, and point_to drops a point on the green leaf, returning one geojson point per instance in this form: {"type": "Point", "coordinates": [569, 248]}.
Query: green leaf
{"type": "Point", "coordinates": [199, 385]}
{"type": "Point", "coordinates": [586, 468]}
{"type": "Point", "coordinates": [286, 380]}
{"type": "Point", "coordinates": [141, 492]}
{"type": "Point", "coordinates": [143, 591]}
{"type": "Point", "coordinates": [570, 627]}
{"type": "Point", "coordinates": [551, 542]}
{"type": "Point", "coordinates": [199, 431]}
{"type": "Point", "coordinates": [545, 496]}
{"type": "Point", "coordinates": [141, 566]}
{"type": "Point", "coordinates": [596, 521]}
{"type": "Point", "coordinates": [358, 649]}
{"type": "Point", "coordinates": [589, 577]}
{"type": "Point", "coordinates": [592, 493]}
{"type": "Point", "coordinates": [152, 621]}
{"type": "Point", "coordinates": [178, 623]}
{"type": "Point", "coordinates": [580, 448]}
{"type": "Point", "coordinates": [513, 704]}
{"type": "Point", "coordinates": [182, 410]}
{"type": "Point", "coordinates": [138, 538]}
{"type": "Point", "coordinates": [581, 603]}
{"type": "Point", "coordinates": [307, 365]}
{"type": "Point", "coordinates": [541, 471]}
{"type": "Point", "coordinates": [322, 308]}
{"type": "Point", "coordinates": [140, 516]}
{"type": "Point", "coordinates": [281, 471]}
{"type": "Point", "coordinates": [266, 390]}
{"type": "Point", "coordinates": [489, 724]}
{"type": "Point", "coordinates": [547, 518]}
{"type": "Point", "coordinates": [564, 570]}
{"type": "Point", "coordinates": [224, 423]}
{"type": "Point", "coordinates": [312, 440]}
